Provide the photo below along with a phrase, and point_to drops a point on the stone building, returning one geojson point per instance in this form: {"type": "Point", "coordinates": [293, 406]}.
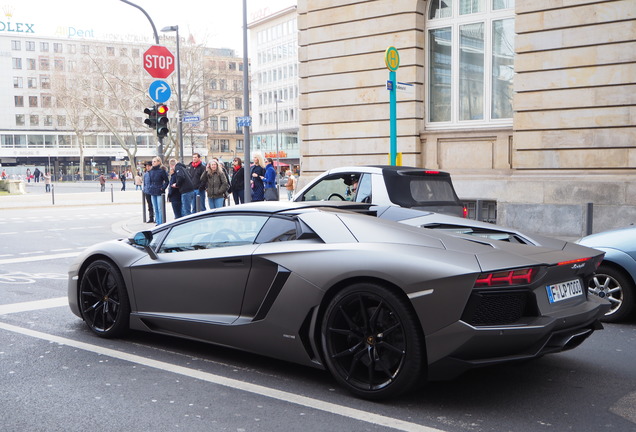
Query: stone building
{"type": "Point", "coordinates": [529, 104]}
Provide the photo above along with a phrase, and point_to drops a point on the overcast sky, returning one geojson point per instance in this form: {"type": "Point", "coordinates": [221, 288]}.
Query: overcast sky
{"type": "Point", "coordinates": [217, 22]}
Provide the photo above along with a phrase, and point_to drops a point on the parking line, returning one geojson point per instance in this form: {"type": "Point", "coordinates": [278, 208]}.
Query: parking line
{"type": "Point", "coordinates": [38, 258]}
{"type": "Point", "coordinates": [317, 404]}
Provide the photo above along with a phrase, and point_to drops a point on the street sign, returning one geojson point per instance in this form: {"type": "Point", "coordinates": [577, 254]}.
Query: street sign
{"type": "Point", "coordinates": [159, 91]}
{"type": "Point", "coordinates": [191, 119]}
{"type": "Point", "coordinates": [405, 88]}
{"type": "Point", "coordinates": [244, 121]}
{"type": "Point", "coordinates": [392, 58]}
{"type": "Point", "coordinates": [159, 61]}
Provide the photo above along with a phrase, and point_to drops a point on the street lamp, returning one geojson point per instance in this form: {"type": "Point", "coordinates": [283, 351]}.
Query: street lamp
{"type": "Point", "coordinates": [276, 101]}
{"type": "Point", "coordinates": [180, 113]}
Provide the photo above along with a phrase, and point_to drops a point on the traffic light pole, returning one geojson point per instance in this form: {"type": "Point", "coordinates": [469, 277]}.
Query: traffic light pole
{"type": "Point", "coordinates": [247, 197]}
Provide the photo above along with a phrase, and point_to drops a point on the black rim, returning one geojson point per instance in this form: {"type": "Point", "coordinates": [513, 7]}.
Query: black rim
{"type": "Point", "coordinates": [366, 341]}
{"type": "Point", "coordinates": [99, 297]}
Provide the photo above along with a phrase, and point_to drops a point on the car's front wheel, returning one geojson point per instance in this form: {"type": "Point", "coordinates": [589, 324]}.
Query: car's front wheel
{"type": "Point", "coordinates": [614, 285]}
{"type": "Point", "coordinates": [103, 300]}
{"type": "Point", "coordinates": [372, 342]}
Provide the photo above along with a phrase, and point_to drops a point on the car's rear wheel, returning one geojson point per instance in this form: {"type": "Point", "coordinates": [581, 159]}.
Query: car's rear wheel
{"type": "Point", "coordinates": [612, 284]}
{"type": "Point", "coordinates": [103, 300]}
{"type": "Point", "coordinates": [372, 342]}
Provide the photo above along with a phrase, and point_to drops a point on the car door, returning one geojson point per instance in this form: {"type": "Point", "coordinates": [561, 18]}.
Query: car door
{"type": "Point", "coordinates": [333, 187]}
{"type": "Point", "coordinates": [200, 273]}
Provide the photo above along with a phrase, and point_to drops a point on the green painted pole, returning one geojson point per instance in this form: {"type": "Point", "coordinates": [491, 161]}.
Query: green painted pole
{"type": "Point", "coordinates": [393, 115]}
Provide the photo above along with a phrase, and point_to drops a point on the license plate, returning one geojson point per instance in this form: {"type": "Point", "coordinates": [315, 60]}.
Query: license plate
{"type": "Point", "coordinates": [564, 290]}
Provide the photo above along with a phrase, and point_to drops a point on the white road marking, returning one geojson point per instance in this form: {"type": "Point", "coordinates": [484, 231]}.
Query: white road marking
{"type": "Point", "coordinates": [38, 258]}
{"type": "Point", "coordinates": [317, 404]}
{"type": "Point", "coordinates": [33, 305]}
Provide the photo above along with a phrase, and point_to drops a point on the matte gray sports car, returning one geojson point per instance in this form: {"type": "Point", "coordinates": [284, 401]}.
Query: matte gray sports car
{"type": "Point", "coordinates": [377, 303]}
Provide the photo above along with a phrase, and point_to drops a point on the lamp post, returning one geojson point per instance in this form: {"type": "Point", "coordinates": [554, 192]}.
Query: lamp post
{"type": "Point", "coordinates": [276, 101]}
{"type": "Point", "coordinates": [180, 113]}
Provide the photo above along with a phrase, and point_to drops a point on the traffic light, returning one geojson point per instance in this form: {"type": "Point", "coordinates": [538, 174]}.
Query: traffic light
{"type": "Point", "coordinates": [151, 121]}
{"type": "Point", "coordinates": [162, 121]}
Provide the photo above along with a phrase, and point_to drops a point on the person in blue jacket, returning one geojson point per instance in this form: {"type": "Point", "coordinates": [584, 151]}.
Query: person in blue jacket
{"type": "Point", "coordinates": [158, 182]}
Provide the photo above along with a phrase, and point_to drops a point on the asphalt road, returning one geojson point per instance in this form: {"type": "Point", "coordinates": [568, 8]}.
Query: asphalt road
{"type": "Point", "coordinates": [57, 376]}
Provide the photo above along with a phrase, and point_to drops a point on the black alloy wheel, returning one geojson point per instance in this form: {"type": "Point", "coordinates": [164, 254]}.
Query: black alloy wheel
{"type": "Point", "coordinates": [103, 300]}
{"type": "Point", "coordinates": [372, 342]}
{"type": "Point", "coordinates": [615, 286]}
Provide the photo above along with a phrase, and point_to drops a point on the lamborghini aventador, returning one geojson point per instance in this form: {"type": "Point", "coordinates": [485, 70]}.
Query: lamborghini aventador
{"type": "Point", "coordinates": [378, 303]}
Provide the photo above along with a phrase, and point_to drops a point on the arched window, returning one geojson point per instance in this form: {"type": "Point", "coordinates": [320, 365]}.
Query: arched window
{"type": "Point", "coordinates": [470, 62]}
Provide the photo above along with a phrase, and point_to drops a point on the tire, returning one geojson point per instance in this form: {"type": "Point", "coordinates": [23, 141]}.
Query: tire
{"type": "Point", "coordinates": [103, 300]}
{"type": "Point", "coordinates": [613, 284]}
{"type": "Point", "coordinates": [372, 342]}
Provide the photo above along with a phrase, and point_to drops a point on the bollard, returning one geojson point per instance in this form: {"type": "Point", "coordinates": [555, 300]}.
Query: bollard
{"type": "Point", "coordinates": [143, 206]}
{"type": "Point", "coordinates": [197, 199]}
{"type": "Point", "coordinates": [52, 194]}
{"type": "Point", "coordinates": [163, 207]}
{"type": "Point", "coordinates": [112, 194]}
{"type": "Point", "coordinates": [589, 219]}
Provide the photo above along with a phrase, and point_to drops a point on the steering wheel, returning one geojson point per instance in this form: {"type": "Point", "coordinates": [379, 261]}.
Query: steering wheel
{"type": "Point", "coordinates": [337, 195]}
{"type": "Point", "coordinates": [225, 235]}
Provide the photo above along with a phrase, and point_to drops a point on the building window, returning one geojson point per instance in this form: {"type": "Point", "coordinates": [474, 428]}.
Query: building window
{"type": "Point", "coordinates": [45, 82]}
{"type": "Point", "coordinates": [59, 64]}
{"type": "Point", "coordinates": [71, 48]}
{"type": "Point", "coordinates": [225, 146]}
{"type": "Point", "coordinates": [61, 120]}
{"type": "Point", "coordinates": [17, 63]}
{"type": "Point", "coordinates": [18, 101]}
{"type": "Point", "coordinates": [33, 101]}
{"type": "Point", "coordinates": [34, 120]}
{"type": "Point", "coordinates": [44, 46]}
{"type": "Point", "coordinates": [32, 83]}
{"type": "Point", "coordinates": [214, 123]}
{"type": "Point", "coordinates": [15, 45]}
{"type": "Point", "coordinates": [48, 120]}
{"type": "Point", "coordinates": [17, 82]}
{"type": "Point", "coordinates": [57, 47]}
{"type": "Point", "coordinates": [31, 64]}
{"type": "Point", "coordinates": [470, 62]}
{"type": "Point", "coordinates": [213, 84]}
{"type": "Point", "coordinates": [110, 51]}
{"type": "Point", "coordinates": [239, 145]}
{"type": "Point", "coordinates": [224, 124]}
{"type": "Point", "coordinates": [44, 63]}
{"type": "Point", "coordinates": [30, 45]}
{"type": "Point", "coordinates": [47, 101]}
{"type": "Point", "coordinates": [19, 119]}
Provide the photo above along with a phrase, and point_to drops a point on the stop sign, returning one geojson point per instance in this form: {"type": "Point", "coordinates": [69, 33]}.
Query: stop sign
{"type": "Point", "coordinates": [159, 61]}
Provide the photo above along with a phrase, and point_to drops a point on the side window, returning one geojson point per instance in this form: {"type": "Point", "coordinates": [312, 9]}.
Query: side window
{"type": "Point", "coordinates": [212, 232]}
{"type": "Point", "coordinates": [363, 192]}
{"type": "Point", "coordinates": [336, 187]}
{"type": "Point", "coordinates": [278, 229]}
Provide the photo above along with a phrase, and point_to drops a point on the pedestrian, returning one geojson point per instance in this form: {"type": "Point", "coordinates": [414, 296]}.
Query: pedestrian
{"type": "Point", "coordinates": [184, 183]}
{"type": "Point", "coordinates": [216, 184]}
{"type": "Point", "coordinates": [122, 177]}
{"type": "Point", "coordinates": [270, 180]}
{"type": "Point", "coordinates": [28, 175]}
{"type": "Point", "coordinates": [3, 176]}
{"type": "Point", "coordinates": [174, 196]}
{"type": "Point", "coordinates": [102, 182]}
{"type": "Point", "coordinates": [158, 182]}
{"type": "Point", "coordinates": [138, 181]}
{"type": "Point", "coordinates": [196, 168]}
{"type": "Point", "coordinates": [257, 171]}
{"type": "Point", "coordinates": [147, 197]}
{"type": "Point", "coordinates": [237, 185]}
{"type": "Point", "coordinates": [47, 182]}
{"type": "Point", "coordinates": [290, 185]}
{"type": "Point", "coordinates": [36, 175]}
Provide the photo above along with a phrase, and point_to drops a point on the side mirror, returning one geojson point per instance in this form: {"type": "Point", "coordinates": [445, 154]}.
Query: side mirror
{"type": "Point", "coordinates": [143, 239]}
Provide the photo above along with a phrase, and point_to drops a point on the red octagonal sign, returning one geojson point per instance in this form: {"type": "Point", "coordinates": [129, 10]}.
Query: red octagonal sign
{"type": "Point", "coordinates": [159, 61]}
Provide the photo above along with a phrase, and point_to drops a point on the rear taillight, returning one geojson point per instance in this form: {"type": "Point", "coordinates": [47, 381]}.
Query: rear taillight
{"type": "Point", "coordinates": [465, 212]}
{"type": "Point", "coordinates": [506, 278]}
{"type": "Point", "coordinates": [574, 261]}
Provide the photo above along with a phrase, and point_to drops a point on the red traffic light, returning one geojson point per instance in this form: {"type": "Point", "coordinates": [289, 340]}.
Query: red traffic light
{"type": "Point", "coordinates": [162, 121]}
{"type": "Point", "coordinates": [162, 110]}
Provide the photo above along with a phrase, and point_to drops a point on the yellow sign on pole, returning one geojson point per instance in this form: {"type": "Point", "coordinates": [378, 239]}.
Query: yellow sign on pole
{"type": "Point", "coordinates": [392, 58]}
